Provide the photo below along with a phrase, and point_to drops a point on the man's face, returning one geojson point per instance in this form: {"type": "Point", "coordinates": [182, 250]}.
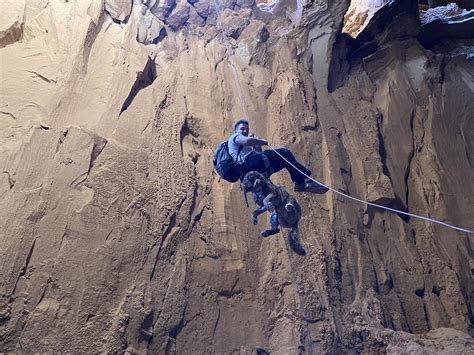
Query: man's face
{"type": "Point", "coordinates": [243, 129]}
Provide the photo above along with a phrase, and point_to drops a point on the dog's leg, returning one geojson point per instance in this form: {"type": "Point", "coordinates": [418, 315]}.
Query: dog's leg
{"type": "Point", "coordinates": [274, 224]}
{"type": "Point", "coordinates": [267, 203]}
{"type": "Point", "coordinates": [257, 213]}
{"type": "Point", "coordinates": [269, 232]}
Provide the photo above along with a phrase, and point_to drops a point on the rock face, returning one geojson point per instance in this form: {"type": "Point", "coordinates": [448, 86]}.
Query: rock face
{"type": "Point", "coordinates": [118, 9]}
{"type": "Point", "coordinates": [448, 21]}
{"type": "Point", "coordinates": [360, 13]}
{"type": "Point", "coordinates": [116, 235]}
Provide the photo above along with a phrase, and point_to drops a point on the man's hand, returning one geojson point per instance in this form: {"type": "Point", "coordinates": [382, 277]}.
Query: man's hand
{"type": "Point", "coordinates": [250, 141]}
{"type": "Point", "coordinates": [263, 141]}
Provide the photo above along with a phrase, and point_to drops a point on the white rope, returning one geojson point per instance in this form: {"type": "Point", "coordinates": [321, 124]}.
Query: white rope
{"type": "Point", "coordinates": [375, 204]}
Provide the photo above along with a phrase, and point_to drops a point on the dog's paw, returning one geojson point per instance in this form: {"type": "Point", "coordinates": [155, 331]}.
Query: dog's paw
{"type": "Point", "coordinates": [254, 219]}
{"type": "Point", "coordinates": [269, 232]}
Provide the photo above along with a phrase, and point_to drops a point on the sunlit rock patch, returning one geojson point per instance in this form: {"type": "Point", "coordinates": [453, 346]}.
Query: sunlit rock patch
{"type": "Point", "coordinates": [359, 14]}
{"type": "Point", "coordinates": [266, 5]}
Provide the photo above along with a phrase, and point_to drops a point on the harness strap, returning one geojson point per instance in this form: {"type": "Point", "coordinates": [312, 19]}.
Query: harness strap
{"type": "Point", "coordinates": [241, 175]}
{"type": "Point", "coordinates": [238, 153]}
{"type": "Point", "coordinates": [268, 169]}
{"type": "Point", "coordinates": [282, 194]}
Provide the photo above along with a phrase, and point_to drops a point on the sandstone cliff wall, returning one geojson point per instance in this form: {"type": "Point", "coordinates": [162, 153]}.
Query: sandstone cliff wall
{"type": "Point", "coordinates": [116, 234]}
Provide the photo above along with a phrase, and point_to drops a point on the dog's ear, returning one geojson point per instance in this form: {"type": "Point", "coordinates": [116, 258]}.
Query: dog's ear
{"type": "Point", "coordinates": [246, 185]}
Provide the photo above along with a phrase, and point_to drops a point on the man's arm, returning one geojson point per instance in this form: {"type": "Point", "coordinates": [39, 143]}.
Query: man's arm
{"type": "Point", "coordinates": [257, 148]}
{"type": "Point", "coordinates": [249, 141]}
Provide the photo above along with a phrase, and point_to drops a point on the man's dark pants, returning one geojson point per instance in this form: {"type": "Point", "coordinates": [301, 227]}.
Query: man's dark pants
{"type": "Point", "coordinates": [255, 162]}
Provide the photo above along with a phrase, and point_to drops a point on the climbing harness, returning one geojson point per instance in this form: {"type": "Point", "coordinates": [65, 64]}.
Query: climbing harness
{"type": "Point", "coordinates": [268, 169]}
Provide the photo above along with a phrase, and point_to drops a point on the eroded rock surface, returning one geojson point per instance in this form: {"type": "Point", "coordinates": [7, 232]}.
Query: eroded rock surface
{"type": "Point", "coordinates": [360, 13]}
{"type": "Point", "coordinates": [448, 21]}
{"type": "Point", "coordinates": [116, 235]}
{"type": "Point", "coordinates": [118, 9]}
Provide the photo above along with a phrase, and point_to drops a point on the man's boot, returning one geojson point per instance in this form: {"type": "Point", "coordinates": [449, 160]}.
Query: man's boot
{"type": "Point", "coordinates": [310, 186]}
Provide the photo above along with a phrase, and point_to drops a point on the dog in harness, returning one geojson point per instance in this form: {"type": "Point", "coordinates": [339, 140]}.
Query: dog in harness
{"type": "Point", "coordinates": [285, 210]}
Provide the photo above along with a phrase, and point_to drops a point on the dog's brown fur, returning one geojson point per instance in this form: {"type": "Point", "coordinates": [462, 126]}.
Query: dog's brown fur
{"type": "Point", "coordinates": [276, 198]}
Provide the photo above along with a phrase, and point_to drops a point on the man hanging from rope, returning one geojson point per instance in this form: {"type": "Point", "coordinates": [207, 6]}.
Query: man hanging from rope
{"type": "Point", "coordinates": [246, 150]}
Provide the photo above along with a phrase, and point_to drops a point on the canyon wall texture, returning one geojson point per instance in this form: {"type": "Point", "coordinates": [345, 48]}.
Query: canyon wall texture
{"type": "Point", "coordinates": [116, 235]}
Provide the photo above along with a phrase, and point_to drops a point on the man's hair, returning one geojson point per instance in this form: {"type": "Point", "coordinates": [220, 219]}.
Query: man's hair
{"type": "Point", "coordinates": [239, 122]}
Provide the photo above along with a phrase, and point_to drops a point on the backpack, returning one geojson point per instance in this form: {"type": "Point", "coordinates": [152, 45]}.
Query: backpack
{"type": "Point", "coordinates": [225, 165]}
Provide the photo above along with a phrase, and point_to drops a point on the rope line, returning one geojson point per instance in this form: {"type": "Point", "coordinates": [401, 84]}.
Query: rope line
{"type": "Point", "coordinates": [308, 336]}
{"type": "Point", "coordinates": [432, 220]}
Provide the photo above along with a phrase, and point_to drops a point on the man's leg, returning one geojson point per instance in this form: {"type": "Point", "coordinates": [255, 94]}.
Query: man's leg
{"type": "Point", "coordinates": [254, 162]}
{"type": "Point", "coordinates": [285, 159]}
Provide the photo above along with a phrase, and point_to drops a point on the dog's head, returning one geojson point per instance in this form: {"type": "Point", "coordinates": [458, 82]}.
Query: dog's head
{"type": "Point", "coordinates": [253, 181]}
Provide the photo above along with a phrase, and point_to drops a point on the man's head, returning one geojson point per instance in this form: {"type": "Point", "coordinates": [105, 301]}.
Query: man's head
{"type": "Point", "coordinates": [242, 127]}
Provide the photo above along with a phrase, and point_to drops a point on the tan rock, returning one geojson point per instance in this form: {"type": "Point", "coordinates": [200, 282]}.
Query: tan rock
{"type": "Point", "coordinates": [233, 23]}
{"type": "Point", "coordinates": [359, 14]}
{"type": "Point", "coordinates": [194, 18]}
{"type": "Point", "coordinates": [203, 7]}
{"type": "Point", "coordinates": [11, 21]}
{"type": "Point", "coordinates": [116, 235]}
{"type": "Point", "coordinates": [179, 16]}
{"type": "Point", "coordinates": [161, 8]}
{"type": "Point", "coordinates": [150, 27]}
{"type": "Point", "coordinates": [119, 9]}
